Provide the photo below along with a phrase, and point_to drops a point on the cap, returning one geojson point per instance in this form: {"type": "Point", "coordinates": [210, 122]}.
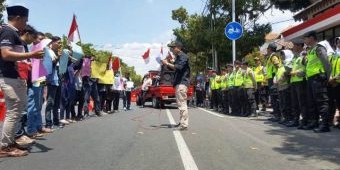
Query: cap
{"type": "Point", "coordinates": [17, 11]}
{"type": "Point", "coordinates": [272, 46]}
{"type": "Point", "coordinates": [298, 42]}
{"type": "Point", "coordinates": [237, 62]}
{"type": "Point", "coordinates": [175, 44]}
{"type": "Point", "coordinates": [310, 34]}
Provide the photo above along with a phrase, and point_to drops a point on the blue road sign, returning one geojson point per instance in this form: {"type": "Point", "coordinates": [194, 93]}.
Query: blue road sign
{"type": "Point", "coordinates": [233, 30]}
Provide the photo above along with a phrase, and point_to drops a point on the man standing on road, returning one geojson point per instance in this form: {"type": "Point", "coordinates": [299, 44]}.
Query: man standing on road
{"type": "Point", "coordinates": [181, 81]}
{"type": "Point", "coordinates": [13, 86]}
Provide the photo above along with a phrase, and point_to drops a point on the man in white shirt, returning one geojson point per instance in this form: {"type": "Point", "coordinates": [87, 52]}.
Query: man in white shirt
{"type": "Point", "coordinates": [117, 89]}
{"type": "Point", "coordinates": [147, 81]}
{"type": "Point", "coordinates": [127, 87]}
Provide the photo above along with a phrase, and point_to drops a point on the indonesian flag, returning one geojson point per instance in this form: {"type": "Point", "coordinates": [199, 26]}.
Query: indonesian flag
{"type": "Point", "coordinates": [159, 58]}
{"type": "Point", "coordinates": [73, 35]}
{"type": "Point", "coordinates": [116, 64]}
{"type": "Point", "coordinates": [146, 56]}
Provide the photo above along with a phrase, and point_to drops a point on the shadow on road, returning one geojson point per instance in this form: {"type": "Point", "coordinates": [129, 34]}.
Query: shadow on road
{"type": "Point", "coordinates": [306, 143]}
{"type": "Point", "coordinates": [41, 148]}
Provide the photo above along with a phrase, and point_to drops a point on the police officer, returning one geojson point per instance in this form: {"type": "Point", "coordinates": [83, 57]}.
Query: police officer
{"type": "Point", "coordinates": [238, 95]}
{"type": "Point", "coordinates": [281, 79]}
{"type": "Point", "coordinates": [231, 89]}
{"type": "Point", "coordinates": [249, 86]}
{"type": "Point", "coordinates": [272, 58]}
{"type": "Point", "coordinates": [298, 86]}
{"type": "Point", "coordinates": [318, 72]}
{"type": "Point", "coordinates": [260, 93]}
{"type": "Point", "coordinates": [224, 91]}
{"type": "Point", "coordinates": [334, 83]}
{"type": "Point", "coordinates": [213, 88]}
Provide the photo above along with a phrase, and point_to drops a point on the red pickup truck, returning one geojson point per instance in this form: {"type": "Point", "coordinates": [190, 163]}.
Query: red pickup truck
{"type": "Point", "coordinates": [161, 91]}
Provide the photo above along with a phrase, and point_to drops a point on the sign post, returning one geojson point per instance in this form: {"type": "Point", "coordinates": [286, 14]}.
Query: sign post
{"type": "Point", "coordinates": [233, 30]}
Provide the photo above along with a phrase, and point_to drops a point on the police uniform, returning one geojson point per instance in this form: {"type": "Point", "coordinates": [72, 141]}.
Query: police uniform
{"type": "Point", "coordinates": [282, 81]}
{"type": "Point", "coordinates": [249, 86]}
{"type": "Point", "coordinates": [231, 90]}
{"type": "Point", "coordinates": [215, 92]}
{"type": "Point", "coordinates": [224, 93]}
{"type": "Point", "coordinates": [334, 86]}
{"type": "Point", "coordinates": [260, 92]}
{"type": "Point", "coordinates": [271, 71]}
{"type": "Point", "coordinates": [317, 78]}
{"type": "Point", "coordinates": [298, 92]}
{"type": "Point", "coordinates": [238, 94]}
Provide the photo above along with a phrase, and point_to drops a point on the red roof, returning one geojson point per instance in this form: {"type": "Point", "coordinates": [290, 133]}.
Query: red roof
{"type": "Point", "coordinates": [328, 19]}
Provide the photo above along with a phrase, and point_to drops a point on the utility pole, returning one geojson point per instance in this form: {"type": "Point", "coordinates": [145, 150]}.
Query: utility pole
{"type": "Point", "coordinates": [233, 19]}
{"type": "Point", "coordinates": [212, 29]}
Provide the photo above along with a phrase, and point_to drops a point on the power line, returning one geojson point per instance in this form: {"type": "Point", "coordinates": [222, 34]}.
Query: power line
{"type": "Point", "coordinates": [281, 21]}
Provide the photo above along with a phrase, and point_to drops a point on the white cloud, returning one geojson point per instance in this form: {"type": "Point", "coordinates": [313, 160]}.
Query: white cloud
{"type": "Point", "coordinates": [131, 54]}
{"type": "Point", "coordinates": [280, 20]}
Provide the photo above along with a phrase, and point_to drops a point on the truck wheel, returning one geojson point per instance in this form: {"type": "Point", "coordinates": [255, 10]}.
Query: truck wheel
{"type": "Point", "coordinates": [155, 102]}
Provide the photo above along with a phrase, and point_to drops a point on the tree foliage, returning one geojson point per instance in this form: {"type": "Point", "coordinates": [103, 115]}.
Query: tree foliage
{"type": "Point", "coordinates": [291, 5]}
{"type": "Point", "coordinates": [2, 8]}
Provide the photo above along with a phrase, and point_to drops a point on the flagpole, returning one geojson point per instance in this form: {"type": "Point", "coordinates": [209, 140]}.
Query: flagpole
{"type": "Point", "coordinates": [75, 17]}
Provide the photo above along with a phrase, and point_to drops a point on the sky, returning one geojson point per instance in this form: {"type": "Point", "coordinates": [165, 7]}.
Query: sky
{"type": "Point", "coordinates": [125, 27]}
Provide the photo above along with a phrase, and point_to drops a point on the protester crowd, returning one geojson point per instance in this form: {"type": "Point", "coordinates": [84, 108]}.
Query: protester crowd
{"type": "Point", "coordinates": [301, 85]}
{"type": "Point", "coordinates": [25, 97]}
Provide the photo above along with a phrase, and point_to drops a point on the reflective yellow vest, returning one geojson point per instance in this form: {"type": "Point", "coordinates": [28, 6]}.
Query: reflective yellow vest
{"type": "Point", "coordinates": [223, 83]}
{"type": "Point", "coordinates": [239, 78]}
{"type": "Point", "coordinates": [218, 84]}
{"type": "Point", "coordinates": [270, 66]}
{"type": "Point", "coordinates": [314, 65]}
{"type": "Point", "coordinates": [279, 75]}
{"type": "Point", "coordinates": [231, 79]}
{"type": "Point", "coordinates": [335, 62]}
{"type": "Point", "coordinates": [259, 76]}
{"type": "Point", "coordinates": [247, 80]}
{"type": "Point", "coordinates": [212, 83]}
{"type": "Point", "coordinates": [297, 67]}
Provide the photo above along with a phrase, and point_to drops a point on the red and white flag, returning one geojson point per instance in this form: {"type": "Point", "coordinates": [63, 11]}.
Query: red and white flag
{"type": "Point", "coordinates": [146, 56]}
{"type": "Point", "coordinates": [116, 64]}
{"type": "Point", "coordinates": [160, 56]}
{"type": "Point", "coordinates": [73, 35]}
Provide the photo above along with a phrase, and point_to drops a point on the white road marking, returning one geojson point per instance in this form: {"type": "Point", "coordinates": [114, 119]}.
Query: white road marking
{"type": "Point", "coordinates": [187, 159]}
{"type": "Point", "coordinates": [215, 114]}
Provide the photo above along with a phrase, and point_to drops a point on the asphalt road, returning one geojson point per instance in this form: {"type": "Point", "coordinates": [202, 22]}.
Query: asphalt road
{"type": "Point", "coordinates": [144, 139]}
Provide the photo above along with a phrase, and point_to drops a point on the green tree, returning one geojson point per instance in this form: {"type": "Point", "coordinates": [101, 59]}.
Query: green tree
{"type": "Point", "coordinates": [2, 8]}
{"type": "Point", "coordinates": [291, 5]}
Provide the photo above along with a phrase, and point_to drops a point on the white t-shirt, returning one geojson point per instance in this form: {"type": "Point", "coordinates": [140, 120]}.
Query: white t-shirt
{"type": "Point", "coordinates": [146, 84]}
